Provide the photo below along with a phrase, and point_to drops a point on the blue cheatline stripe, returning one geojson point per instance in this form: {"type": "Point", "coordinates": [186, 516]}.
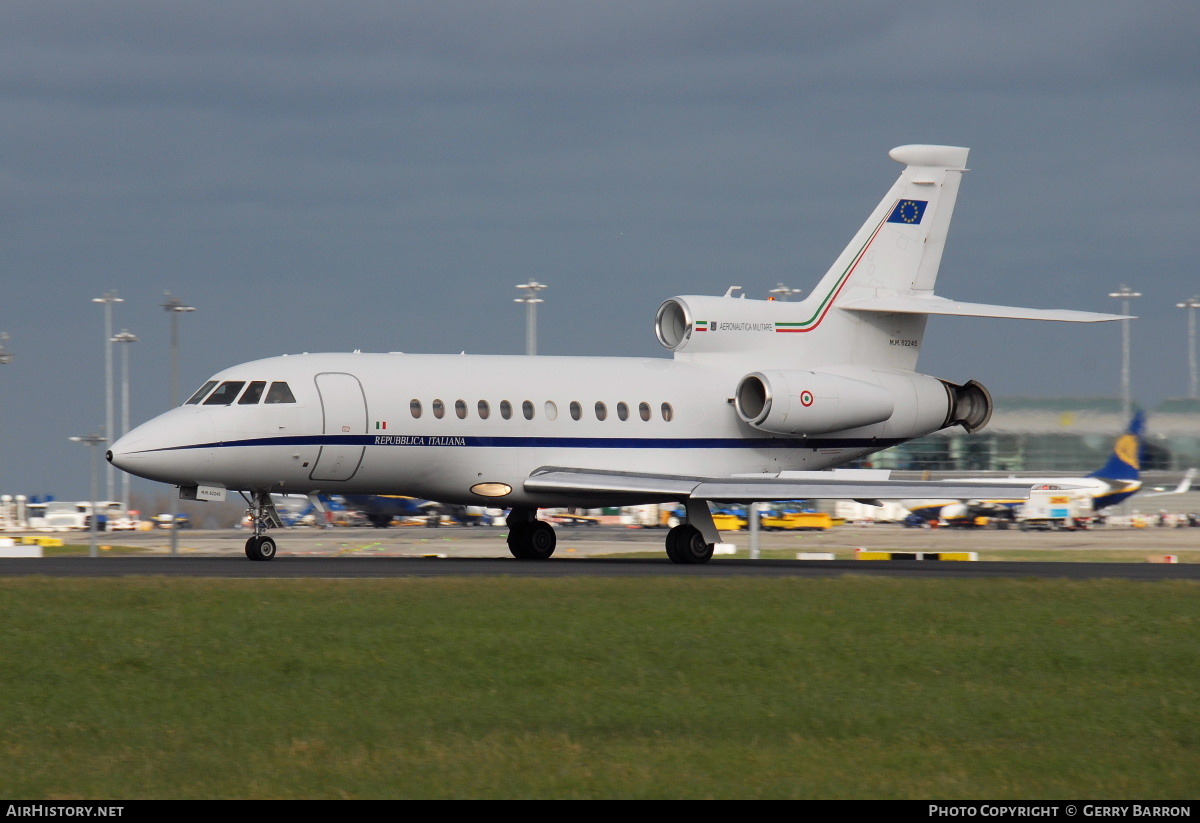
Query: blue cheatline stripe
{"type": "Point", "coordinates": [393, 440]}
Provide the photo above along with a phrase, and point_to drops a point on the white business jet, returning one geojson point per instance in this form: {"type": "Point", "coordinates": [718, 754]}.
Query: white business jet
{"type": "Point", "coordinates": [758, 399]}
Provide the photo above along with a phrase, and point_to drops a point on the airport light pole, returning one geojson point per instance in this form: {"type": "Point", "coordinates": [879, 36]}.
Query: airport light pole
{"type": "Point", "coordinates": [1125, 294]}
{"type": "Point", "coordinates": [1193, 382]}
{"type": "Point", "coordinates": [782, 292]}
{"type": "Point", "coordinates": [107, 301]}
{"type": "Point", "coordinates": [530, 300]}
{"type": "Point", "coordinates": [5, 355]}
{"type": "Point", "coordinates": [125, 336]}
{"type": "Point", "coordinates": [175, 307]}
{"type": "Point", "coordinates": [93, 440]}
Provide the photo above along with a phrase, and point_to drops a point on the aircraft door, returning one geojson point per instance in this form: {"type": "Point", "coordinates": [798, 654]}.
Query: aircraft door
{"type": "Point", "coordinates": [345, 409]}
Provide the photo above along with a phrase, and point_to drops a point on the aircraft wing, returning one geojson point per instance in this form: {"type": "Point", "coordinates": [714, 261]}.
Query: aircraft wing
{"type": "Point", "coordinates": [904, 304]}
{"type": "Point", "coordinates": [760, 488]}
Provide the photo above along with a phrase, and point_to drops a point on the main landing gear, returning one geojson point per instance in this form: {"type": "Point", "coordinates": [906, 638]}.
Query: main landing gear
{"type": "Point", "coordinates": [690, 543]}
{"type": "Point", "coordinates": [685, 544]}
{"type": "Point", "coordinates": [263, 516]}
{"type": "Point", "coordinates": [693, 542]}
{"type": "Point", "coordinates": [528, 537]}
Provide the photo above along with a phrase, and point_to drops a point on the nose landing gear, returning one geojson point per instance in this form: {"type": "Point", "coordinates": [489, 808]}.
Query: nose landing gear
{"type": "Point", "coordinates": [263, 516]}
{"type": "Point", "coordinates": [260, 547]}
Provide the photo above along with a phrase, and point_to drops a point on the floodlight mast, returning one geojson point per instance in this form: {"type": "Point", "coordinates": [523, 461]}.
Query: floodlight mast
{"type": "Point", "coordinates": [5, 355]}
{"type": "Point", "coordinates": [1125, 294]}
{"type": "Point", "coordinates": [1193, 383]}
{"type": "Point", "coordinates": [124, 336]}
{"type": "Point", "coordinates": [175, 307]}
{"type": "Point", "coordinates": [107, 301]}
{"type": "Point", "coordinates": [92, 441]}
{"type": "Point", "coordinates": [530, 300]}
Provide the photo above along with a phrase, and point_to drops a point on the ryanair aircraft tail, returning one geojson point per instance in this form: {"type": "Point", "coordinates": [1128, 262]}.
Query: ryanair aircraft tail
{"type": "Point", "coordinates": [1122, 471]}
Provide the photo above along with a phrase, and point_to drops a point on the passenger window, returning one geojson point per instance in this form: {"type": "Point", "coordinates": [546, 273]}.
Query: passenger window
{"type": "Point", "coordinates": [601, 411]}
{"type": "Point", "coordinates": [551, 410]}
{"type": "Point", "coordinates": [527, 410]}
{"type": "Point", "coordinates": [439, 409]}
{"type": "Point", "coordinates": [280, 393]}
{"type": "Point", "coordinates": [576, 410]}
{"type": "Point", "coordinates": [414, 407]}
{"type": "Point", "coordinates": [505, 409]}
{"type": "Point", "coordinates": [253, 393]}
{"type": "Point", "coordinates": [668, 413]}
{"type": "Point", "coordinates": [644, 411]}
{"type": "Point", "coordinates": [225, 393]}
{"type": "Point", "coordinates": [484, 410]}
{"type": "Point", "coordinates": [460, 408]}
{"type": "Point", "coordinates": [623, 411]}
{"type": "Point", "coordinates": [200, 392]}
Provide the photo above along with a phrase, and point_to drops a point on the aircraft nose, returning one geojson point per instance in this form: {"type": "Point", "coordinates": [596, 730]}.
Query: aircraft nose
{"type": "Point", "coordinates": [124, 454]}
{"type": "Point", "coordinates": [166, 448]}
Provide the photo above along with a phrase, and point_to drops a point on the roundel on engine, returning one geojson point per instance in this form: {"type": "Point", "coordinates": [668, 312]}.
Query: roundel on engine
{"type": "Point", "coordinates": [805, 402]}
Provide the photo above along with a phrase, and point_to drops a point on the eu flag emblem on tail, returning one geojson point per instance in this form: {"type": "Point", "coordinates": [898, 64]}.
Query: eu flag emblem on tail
{"type": "Point", "coordinates": [908, 211]}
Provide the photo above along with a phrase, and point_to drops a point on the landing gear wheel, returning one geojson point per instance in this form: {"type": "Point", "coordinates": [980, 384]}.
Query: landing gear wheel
{"type": "Point", "coordinates": [260, 547]}
{"type": "Point", "coordinates": [532, 541]}
{"type": "Point", "coordinates": [685, 544]}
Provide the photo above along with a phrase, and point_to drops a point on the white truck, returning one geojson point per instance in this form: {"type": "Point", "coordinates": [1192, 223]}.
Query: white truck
{"type": "Point", "coordinates": [1053, 508]}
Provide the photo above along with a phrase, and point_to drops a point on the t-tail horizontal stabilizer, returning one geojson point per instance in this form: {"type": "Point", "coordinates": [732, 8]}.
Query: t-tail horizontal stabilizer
{"type": "Point", "coordinates": [911, 304]}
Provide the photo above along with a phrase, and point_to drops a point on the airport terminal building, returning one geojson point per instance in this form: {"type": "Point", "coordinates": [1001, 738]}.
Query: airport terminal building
{"type": "Point", "coordinates": [1054, 435]}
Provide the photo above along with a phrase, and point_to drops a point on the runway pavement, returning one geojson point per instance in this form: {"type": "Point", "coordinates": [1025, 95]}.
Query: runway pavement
{"type": "Point", "coordinates": [591, 541]}
{"type": "Point", "coordinates": [610, 550]}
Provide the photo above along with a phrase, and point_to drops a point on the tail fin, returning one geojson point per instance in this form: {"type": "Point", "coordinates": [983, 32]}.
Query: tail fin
{"type": "Point", "coordinates": [899, 248]}
{"type": "Point", "coordinates": [1125, 462]}
{"type": "Point", "coordinates": [892, 263]}
{"type": "Point", "coordinates": [886, 274]}
{"type": "Point", "coordinates": [881, 286]}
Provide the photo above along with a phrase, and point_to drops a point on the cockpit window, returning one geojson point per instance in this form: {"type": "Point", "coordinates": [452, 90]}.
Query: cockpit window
{"type": "Point", "coordinates": [199, 395]}
{"type": "Point", "coordinates": [225, 393]}
{"type": "Point", "coordinates": [280, 393]}
{"type": "Point", "coordinates": [253, 393]}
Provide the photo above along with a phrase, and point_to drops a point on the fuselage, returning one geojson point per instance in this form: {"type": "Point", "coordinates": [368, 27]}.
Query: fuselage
{"type": "Point", "coordinates": [439, 426]}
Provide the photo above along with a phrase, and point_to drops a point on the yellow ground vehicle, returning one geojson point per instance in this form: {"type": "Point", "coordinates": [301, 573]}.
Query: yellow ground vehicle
{"type": "Point", "coordinates": [728, 521]}
{"type": "Point", "coordinates": [817, 521]}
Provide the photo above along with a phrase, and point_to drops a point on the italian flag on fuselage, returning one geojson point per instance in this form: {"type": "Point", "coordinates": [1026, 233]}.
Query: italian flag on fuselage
{"type": "Point", "coordinates": [825, 304]}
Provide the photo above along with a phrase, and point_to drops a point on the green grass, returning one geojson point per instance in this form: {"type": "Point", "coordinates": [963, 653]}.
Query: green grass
{"type": "Point", "coordinates": [599, 688]}
{"type": "Point", "coordinates": [103, 549]}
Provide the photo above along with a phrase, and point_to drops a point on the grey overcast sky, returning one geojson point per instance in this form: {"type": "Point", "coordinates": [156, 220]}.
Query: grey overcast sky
{"type": "Point", "coordinates": [324, 176]}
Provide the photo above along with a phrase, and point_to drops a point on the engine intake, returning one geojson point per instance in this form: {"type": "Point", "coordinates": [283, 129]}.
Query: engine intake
{"type": "Point", "coordinates": [673, 325]}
